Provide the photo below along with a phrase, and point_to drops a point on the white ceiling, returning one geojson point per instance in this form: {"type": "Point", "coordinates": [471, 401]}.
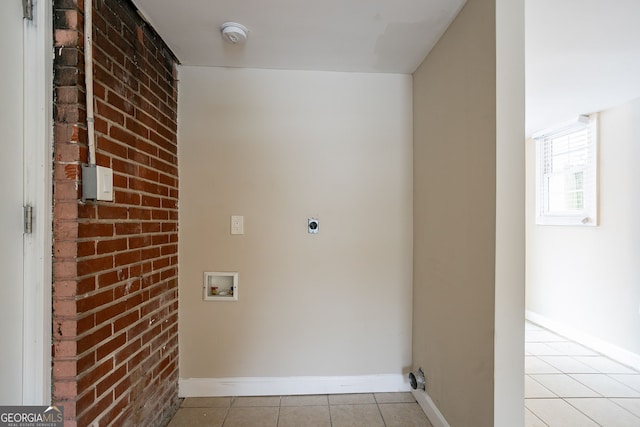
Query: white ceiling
{"type": "Point", "coordinates": [391, 36]}
{"type": "Point", "coordinates": [581, 55]}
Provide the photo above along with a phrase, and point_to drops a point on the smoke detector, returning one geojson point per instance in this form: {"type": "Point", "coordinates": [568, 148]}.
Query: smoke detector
{"type": "Point", "coordinates": [234, 33]}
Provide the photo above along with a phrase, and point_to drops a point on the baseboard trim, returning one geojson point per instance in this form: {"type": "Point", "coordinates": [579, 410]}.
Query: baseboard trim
{"type": "Point", "coordinates": [430, 409]}
{"type": "Point", "coordinates": [266, 386]}
{"type": "Point", "coordinates": [614, 352]}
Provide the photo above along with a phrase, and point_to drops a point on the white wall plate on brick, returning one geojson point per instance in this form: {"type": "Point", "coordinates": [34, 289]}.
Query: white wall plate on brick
{"type": "Point", "coordinates": [104, 181]}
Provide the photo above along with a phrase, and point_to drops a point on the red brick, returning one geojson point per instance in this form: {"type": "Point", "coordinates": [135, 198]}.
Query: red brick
{"type": "Point", "coordinates": [93, 375]}
{"type": "Point", "coordinates": [64, 369]}
{"type": "Point", "coordinates": [154, 332]}
{"type": "Point", "coordinates": [151, 201]}
{"type": "Point", "coordinates": [169, 204]}
{"type": "Point", "coordinates": [63, 269]}
{"type": "Point", "coordinates": [67, 95]}
{"type": "Point", "coordinates": [126, 258]}
{"type": "Point", "coordinates": [86, 229]}
{"type": "Point", "coordinates": [107, 246]}
{"type": "Point", "coordinates": [127, 198]}
{"type": "Point", "coordinates": [127, 289]}
{"type": "Point", "coordinates": [66, 190]}
{"type": "Point", "coordinates": [111, 277]}
{"type": "Point", "coordinates": [64, 389]}
{"type": "Point", "coordinates": [63, 289]}
{"type": "Point", "coordinates": [169, 250]}
{"type": "Point", "coordinates": [168, 273]}
{"type": "Point", "coordinates": [128, 168]}
{"type": "Point", "coordinates": [65, 38]}
{"type": "Point", "coordinates": [167, 180]}
{"type": "Point", "coordinates": [87, 248]}
{"type": "Point", "coordinates": [66, 210]}
{"type": "Point", "coordinates": [132, 346]}
{"type": "Point", "coordinates": [111, 346]}
{"type": "Point", "coordinates": [89, 266]}
{"type": "Point", "coordinates": [86, 362]}
{"type": "Point", "coordinates": [120, 182]}
{"type": "Point", "coordinates": [63, 349]}
{"type": "Point", "coordinates": [138, 358]}
{"type": "Point", "coordinates": [126, 321]}
{"type": "Point", "coordinates": [122, 135]}
{"type": "Point", "coordinates": [138, 157]}
{"type": "Point", "coordinates": [160, 239]}
{"type": "Point", "coordinates": [120, 103]}
{"type": "Point", "coordinates": [93, 338]}
{"type": "Point", "coordinates": [86, 285]}
{"type": "Point", "coordinates": [159, 214]}
{"type": "Point", "coordinates": [90, 302]}
{"type": "Point", "coordinates": [134, 301]}
{"type": "Point", "coordinates": [136, 127]}
{"type": "Point", "coordinates": [64, 308]}
{"type": "Point", "coordinates": [100, 92]}
{"type": "Point", "coordinates": [64, 328]}
{"type": "Point", "coordinates": [116, 410]}
{"type": "Point", "coordinates": [113, 261]}
{"type": "Point", "coordinates": [111, 146]}
{"type": "Point", "coordinates": [128, 228]}
{"type": "Point", "coordinates": [150, 252]}
{"type": "Point", "coordinates": [86, 211]}
{"type": "Point", "coordinates": [85, 324]}
{"type": "Point", "coordinates": [112, 212]}
{"type": "Point", "coordinates": [139, 214]}
{"type": "Point", "coordinates": [65, 230]}
{"type": "Point", "coordinates": [109, 113]}
{"type": "Point", "coordinates": [103, 159]}
{"type": "Point", "coordinates": [86, 400]}
{"type": "Point", "coordinates": [84, 419]}
{"type": "Point", "coordinates": [159, 264]}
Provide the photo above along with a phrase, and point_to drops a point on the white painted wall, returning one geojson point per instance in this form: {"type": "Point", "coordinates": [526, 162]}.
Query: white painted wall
{"type": "Point", "coordinates": [587, 279]}
{"type": "Point", "coordinates": [469, 217]}
{"type": "Point", "coordinates": [510, 218]}
{"type": "Point", "coordinates": [455, 217]}
{"type": "Point", "coordinates": [279, 147]}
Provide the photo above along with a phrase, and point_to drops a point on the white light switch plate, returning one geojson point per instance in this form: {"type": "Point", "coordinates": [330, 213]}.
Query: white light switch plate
{"type": "Point", "coordinates": [104, 181]}
{"type": "Point", "coordinates": [237, 224]}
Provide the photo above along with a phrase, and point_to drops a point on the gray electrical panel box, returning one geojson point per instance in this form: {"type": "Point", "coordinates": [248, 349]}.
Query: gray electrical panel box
{"type": "Point", "coordinates": [97, 183]}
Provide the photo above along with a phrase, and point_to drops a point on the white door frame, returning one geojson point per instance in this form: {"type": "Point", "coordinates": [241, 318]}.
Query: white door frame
{"type": "Point", "coordinates": [38, 156]}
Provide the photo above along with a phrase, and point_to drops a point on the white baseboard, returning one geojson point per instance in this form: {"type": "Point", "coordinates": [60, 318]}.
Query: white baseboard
{"type": "Point", "coordinates": [614, 352]}
{"type": "Point", "coordinates": [266, 386]}
{"type": "Point", "coordinates": [430, 409]}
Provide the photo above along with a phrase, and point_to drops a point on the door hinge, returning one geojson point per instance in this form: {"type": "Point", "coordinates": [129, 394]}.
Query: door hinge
{"type": "Point", "coordinates": [27, 9]}
{"type": "Point", "coordinates": [28, 219]}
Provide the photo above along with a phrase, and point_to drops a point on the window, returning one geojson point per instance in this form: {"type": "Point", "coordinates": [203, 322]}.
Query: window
{"type": "Point", "coordinates": [566, 181]}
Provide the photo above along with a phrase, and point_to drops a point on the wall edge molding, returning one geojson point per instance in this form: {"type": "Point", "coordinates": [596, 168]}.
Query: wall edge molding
{"type": "Point", "coordinates": [616, 353]}
{"type": "Point", "coordinates": [430, 409]}
{"type": "Point", "coordinates": [264, 386]}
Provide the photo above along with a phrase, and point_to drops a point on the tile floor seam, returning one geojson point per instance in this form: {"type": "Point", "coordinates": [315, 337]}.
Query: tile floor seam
{"type": "Point", "coordinates": [598, 364]}
{"type": "Point", "coordinates": [579, 410]}
{"type": "Point", "coordinates": [379, 411]}
{"type": "Point", "coordinates": [620, 406]}
{"type": "Point", "coordinates": [626, 409]}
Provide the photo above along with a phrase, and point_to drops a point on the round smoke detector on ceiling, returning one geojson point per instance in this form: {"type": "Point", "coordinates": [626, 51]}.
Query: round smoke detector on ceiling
{"type": "Point", "coordinates": [234, 33]}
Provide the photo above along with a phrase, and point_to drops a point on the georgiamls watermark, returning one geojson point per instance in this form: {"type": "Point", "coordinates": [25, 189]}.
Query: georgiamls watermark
{"type": "Point", "coordinates": [31, 416]}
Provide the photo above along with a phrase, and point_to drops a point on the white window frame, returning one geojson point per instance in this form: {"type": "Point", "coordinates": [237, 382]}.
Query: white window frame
{"type": "Point", "coordinates": [588, 216]}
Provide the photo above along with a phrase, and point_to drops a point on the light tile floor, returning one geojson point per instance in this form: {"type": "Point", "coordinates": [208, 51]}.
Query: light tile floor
{"type": "Point", "coordinates": [567, 384]}
{"type": "Point", "coordinates": [334, 410]}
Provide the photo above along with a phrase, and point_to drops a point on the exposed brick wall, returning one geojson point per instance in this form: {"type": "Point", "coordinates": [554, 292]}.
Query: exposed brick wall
{"type": "Point", "coordinates": [115, 297]}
